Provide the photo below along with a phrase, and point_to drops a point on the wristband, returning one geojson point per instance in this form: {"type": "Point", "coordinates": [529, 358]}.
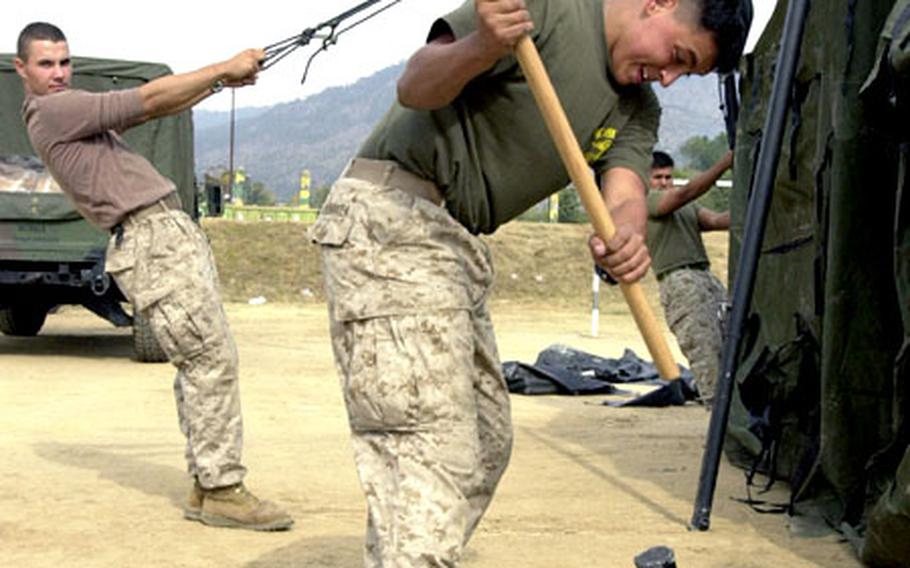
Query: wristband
{"type": "Point", "coordinates": [604, 275]}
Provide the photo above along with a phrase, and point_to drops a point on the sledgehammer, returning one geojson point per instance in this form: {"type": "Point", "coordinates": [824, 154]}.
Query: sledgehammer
{"type": "Point", "coordinates": [569, 150]}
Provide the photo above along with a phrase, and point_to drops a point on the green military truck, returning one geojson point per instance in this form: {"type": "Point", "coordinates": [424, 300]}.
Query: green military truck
{"type": "Point", "coordinates": [49, 255]}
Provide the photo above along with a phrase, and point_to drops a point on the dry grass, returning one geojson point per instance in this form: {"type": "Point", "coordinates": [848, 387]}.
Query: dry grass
{"type": "Point", "coordinates": [548, 263]}
{"type": "Point", "coordinates": [270, 259]}
{"type": "Point", "coordinates": [535, 263]}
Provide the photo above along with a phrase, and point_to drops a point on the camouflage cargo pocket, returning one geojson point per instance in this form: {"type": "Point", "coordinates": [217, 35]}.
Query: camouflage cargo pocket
{"type": "Point", "coordinates": [175, 328]}
{"type": "Point", "coordinates": [410, 371]}
{"type": "Point", "coordinates": [119, 261]}
{"type": "Point", "coordinates": [334, 223]}
{"type": "Point", "coordinates": [330, 230]}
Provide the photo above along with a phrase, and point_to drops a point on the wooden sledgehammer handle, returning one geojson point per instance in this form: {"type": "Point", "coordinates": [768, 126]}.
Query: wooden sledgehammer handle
{"type": "Point", "coordinates": [569, 150]}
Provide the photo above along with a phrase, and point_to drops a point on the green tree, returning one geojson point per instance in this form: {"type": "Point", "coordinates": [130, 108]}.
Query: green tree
{"type": "Point", "coordinates": [537, 213]}
{"type": "Point", "coordinates": [259, 194]}
{"type": "Point", "coordinates": [718, 199]}
{"type": "Point", "coordinates": [702, 152]}
{"type": "Point", "coordinates": [570, 207]}
{"type": "Point", "coordinates": [318, 195]}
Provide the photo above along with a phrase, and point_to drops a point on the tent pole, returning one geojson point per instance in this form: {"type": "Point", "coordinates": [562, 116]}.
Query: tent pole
{"type": "Point", "coordinates": [753, 235]}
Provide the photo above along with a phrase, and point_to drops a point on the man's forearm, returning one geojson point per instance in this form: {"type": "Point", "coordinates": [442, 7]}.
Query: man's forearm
{"type": "Point", "coordinates": [625, 255]}
{"type": "Point", "coordinates": [709, 220]}
{"type": "Point", "coordinates": [704, 181]}
{"type": "Point", "coordinates": [632, 213]}
{"type": "Point", "coordinates": [624, 195]}
{"type": "Point", "coordinates": [438, 72]}
{"type": "Point", "coordinates": [191, 103]}
{"type": "Point", "coordinates": [173, 93]}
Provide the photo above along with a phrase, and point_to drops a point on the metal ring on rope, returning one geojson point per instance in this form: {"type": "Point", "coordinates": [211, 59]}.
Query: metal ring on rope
{"type": "Point", "coordinates": [327, 31]}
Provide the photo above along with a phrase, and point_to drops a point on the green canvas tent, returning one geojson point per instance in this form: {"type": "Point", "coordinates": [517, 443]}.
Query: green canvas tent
{"type": "Point", "coordinates": [821, 392]}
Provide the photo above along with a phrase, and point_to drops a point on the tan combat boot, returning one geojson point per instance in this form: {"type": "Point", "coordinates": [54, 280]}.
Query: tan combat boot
{"type": "Point", "coordinates": [234, 506]}
{"type": "Point", "coordinates": [193, 508]}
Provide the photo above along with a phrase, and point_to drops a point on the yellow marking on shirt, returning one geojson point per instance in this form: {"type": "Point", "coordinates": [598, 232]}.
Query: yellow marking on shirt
{"type": "Point", "coordinates": [603, 141]}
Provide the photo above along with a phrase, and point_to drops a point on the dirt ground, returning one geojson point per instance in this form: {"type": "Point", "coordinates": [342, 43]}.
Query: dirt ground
{"type": "Point", "coordinates": [94, 476]}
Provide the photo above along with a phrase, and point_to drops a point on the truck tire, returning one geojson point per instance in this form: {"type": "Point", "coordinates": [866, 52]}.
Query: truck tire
{"type": "Point", "coordinates": [22, 321]}
{"type": "Point", "coordinates": [144, 343]}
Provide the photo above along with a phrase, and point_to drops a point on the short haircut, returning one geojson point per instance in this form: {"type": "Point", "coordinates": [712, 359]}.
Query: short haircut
{"type": "Point", "coordinates": [37, 31]}
{"type": "Point", "coordinates": [661, 160]}
{"type": "Point", "coordinates": [729, 22]}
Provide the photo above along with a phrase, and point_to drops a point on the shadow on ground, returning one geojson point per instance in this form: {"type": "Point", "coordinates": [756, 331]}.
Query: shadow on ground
{"type": "Point", "coordinates": [670, 459]}
{"type": "Point", "coordinates": [85, 346]}
{"type": "Point", "coordinates": [315, 552]}
{"type": "Point", "coordinates": [127, 465]}
{"type": "Point", "coordinates": [612, 479]}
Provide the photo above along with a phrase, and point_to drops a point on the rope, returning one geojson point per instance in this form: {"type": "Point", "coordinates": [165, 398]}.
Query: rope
{"type": "Point", "coordinates": [327, 31]}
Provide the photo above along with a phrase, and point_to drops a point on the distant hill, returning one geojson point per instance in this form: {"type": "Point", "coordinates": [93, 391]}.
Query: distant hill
{"type": "Point", "coordinates": [204, 119]}
{"type": "Point", "coordinates": [321, 132]}
{"type": "Point", "coordinates": [691, 107]}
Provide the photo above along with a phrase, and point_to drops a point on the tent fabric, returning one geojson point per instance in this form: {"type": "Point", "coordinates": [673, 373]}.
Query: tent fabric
{"type": "Point", "coordinates": [628, 368]}
{"type": "Point", "coordinates": [669, 393]}
{"type": "Point", "coordinates": [790, 249]}
{"type": "Point", "coordinates": [887, 542]}
{"type": "Point", "coordinates": [823, 382]}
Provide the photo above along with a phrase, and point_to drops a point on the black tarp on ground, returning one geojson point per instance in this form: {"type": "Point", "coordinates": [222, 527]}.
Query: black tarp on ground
{"type": "Point", "coordinates": [822, 385]}
{"type": "Point", "coordinates": [563, 370]}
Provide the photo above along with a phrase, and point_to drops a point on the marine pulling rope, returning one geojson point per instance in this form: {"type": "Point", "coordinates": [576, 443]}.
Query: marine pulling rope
{"type": "Point", "coordinates": [327, 31]}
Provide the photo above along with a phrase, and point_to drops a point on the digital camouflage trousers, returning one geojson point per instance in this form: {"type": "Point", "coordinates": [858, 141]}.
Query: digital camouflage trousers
{"type": "Point", "coordinates": [692, 301]}
{"type": "Point", "coordinates": [164, 266]}
{"type": "Point", "coordinates": [427, 403]}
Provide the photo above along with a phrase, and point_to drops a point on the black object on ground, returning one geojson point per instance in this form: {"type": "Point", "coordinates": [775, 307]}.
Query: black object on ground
{"type": "Point", "coordinates": [533, 379]}
{"type": "Point", "coordinates": [656, 557]}
{"type": "Point", "coordinates": [672, 393]}
{"type": "Point", "coordinates": [563, 370]}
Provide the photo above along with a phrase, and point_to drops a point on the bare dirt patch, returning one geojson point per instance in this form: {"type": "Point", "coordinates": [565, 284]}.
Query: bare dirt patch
{"type": "Point", "coordinates": [94, 476]}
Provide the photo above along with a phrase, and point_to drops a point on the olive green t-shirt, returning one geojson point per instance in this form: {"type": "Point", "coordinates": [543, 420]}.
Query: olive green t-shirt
{"type": "Point", "coordinates": [674, 240]}
{"type": "Point", "coordinates": [489, 151]}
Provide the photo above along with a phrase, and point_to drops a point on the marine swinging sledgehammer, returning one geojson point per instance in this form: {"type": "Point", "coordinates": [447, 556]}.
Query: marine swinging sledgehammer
{"type": "Point", "coordinates": [569, 150]}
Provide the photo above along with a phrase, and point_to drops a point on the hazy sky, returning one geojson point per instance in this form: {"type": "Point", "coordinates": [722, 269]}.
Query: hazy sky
{"type": "Point", "coordinates": [188, 34]}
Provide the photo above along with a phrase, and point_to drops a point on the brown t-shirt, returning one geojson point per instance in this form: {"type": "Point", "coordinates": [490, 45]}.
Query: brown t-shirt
{"type": "Point", "coordinates": [75, 135]}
